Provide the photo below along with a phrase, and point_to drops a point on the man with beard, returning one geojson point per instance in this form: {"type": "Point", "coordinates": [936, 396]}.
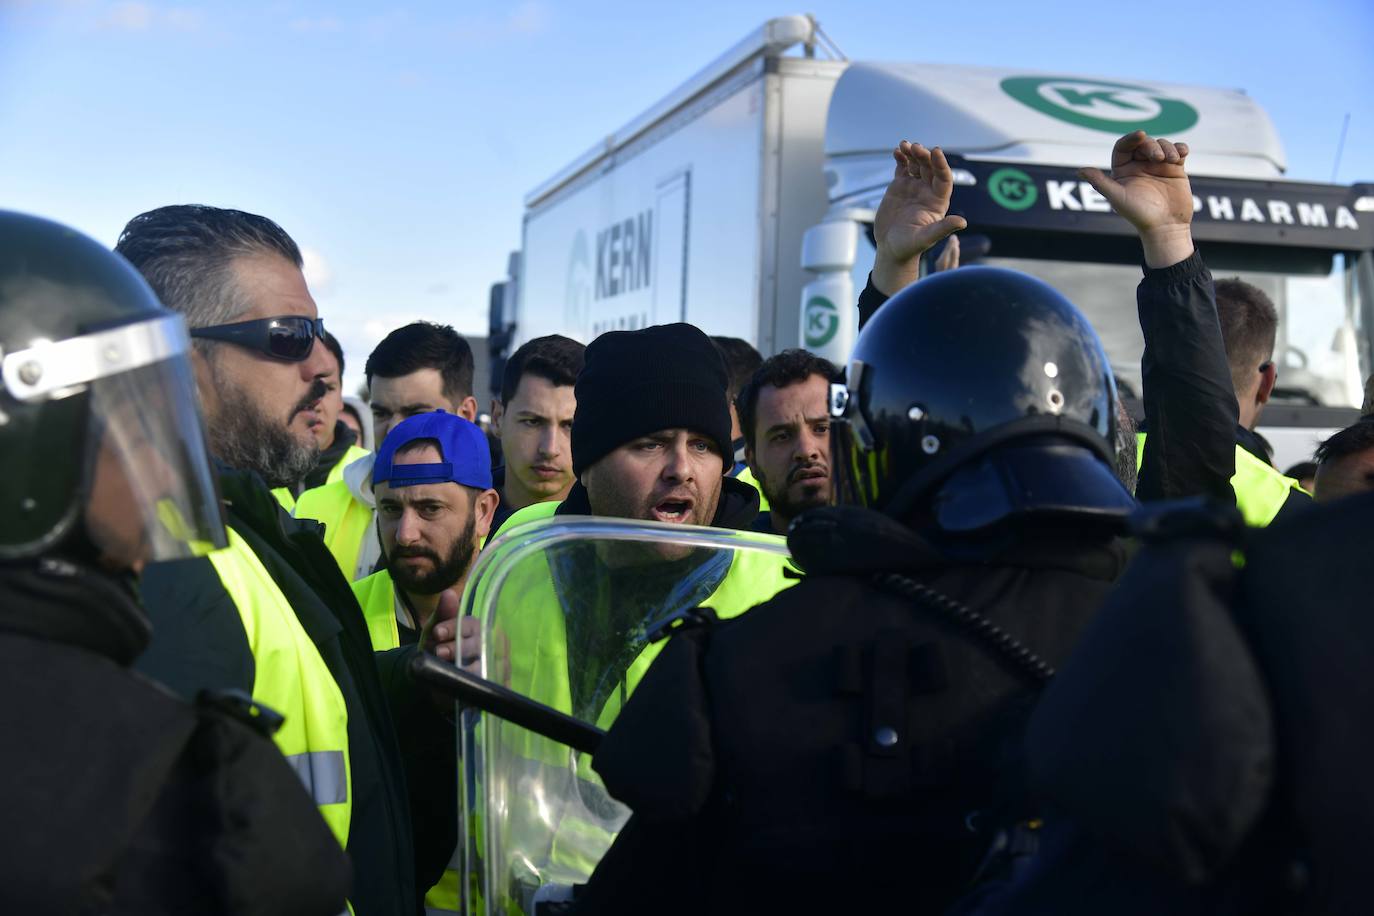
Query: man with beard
{"type": "Point", "coordinates": [270, 614]}
{"type": "Point", "coordinates": [785, 417]}
{"type": "Point", "coordinates": [337, 441]}
{"type": "Point", "coordinates": [650, 441]}
{"type": "Point", "coordinates": [435, 503]}
{"type": "Point", "coordinates": [415, 369]}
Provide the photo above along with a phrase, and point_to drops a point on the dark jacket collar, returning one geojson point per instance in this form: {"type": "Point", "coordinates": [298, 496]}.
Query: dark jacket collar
{"type": "Point", "coordinates": [1252, 443]}
{"type": "Point", "coordinates": [248, 499]}
{"type": "Point", "coordinates": [738, 506]}
{"type": "Point", "coordinates": [64, 602]}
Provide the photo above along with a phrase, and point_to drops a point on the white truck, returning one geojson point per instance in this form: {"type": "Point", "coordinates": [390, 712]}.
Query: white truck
{"type": "Point", "coordinates": [743, 203]}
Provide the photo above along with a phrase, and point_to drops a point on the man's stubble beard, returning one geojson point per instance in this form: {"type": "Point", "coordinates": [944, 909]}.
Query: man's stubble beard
{"type": "Point", "coordinates": [244, 438]}
{"type": "Point", "coordinates": [781, 504]}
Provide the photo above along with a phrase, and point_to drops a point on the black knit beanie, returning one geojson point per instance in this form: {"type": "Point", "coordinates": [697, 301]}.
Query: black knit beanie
{"type": "Point", "coordinates": [638, 382]}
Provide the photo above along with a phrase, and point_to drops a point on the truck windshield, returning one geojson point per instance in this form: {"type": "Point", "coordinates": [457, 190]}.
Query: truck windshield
{"type": "Point", "coordinates": [1323, 344]}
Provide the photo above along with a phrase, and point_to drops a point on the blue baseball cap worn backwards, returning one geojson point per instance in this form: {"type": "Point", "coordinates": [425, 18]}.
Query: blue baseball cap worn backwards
{"type": "Point", "coordinates": [467, 460]}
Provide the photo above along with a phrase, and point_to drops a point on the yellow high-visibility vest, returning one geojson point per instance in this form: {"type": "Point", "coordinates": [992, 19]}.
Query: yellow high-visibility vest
{"type": "Point", "coordinates": [530, 623]}
{"type": "Point", "coordinates": [353, 453]}
{"type": "Point", "coordinates": [292, 504]}
{"type": "Point", "coordinates": [747, 476]}
{"type": "Point", "coordinates": [290, 677]}
{"type": "Point", "coordinates": [1261, 491]}
{"type": "Point", "coordinates": [347, 522]}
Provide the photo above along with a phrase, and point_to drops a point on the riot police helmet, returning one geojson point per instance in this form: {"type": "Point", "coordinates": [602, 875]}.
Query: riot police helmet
{"type": "Point", "coordinates": [102, 450]}
{"type": "Point", "coordinates": [974, 397]}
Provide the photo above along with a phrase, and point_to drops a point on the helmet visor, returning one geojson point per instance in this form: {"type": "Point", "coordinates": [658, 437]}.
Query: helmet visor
{"type": "Point", "coordinates": [854, 461]}
{"type": "Point", "coordinates": [150, 492]}
{"type": "Point", "coordinates": [147, 486]}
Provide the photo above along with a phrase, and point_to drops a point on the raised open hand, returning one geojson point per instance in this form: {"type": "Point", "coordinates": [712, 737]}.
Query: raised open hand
{"type": "Point", "coordinates": [913, 215]}
{"type": "Point", "coordinates": [1149, 187]}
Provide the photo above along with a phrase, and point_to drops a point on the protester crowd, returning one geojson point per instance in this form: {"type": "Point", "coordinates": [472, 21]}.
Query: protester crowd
{"type": "Point", "coordinates": [1022, 655]}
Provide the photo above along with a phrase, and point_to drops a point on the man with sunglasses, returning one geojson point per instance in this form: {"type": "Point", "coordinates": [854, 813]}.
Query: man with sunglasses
{"type": "Point", "coordinates": [281, 457]}
{"type": "Point", "coordinates": [271, 614]}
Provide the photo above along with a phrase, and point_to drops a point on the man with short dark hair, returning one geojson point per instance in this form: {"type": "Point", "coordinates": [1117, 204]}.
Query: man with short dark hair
{"type": "Point", "coordinates": [1305, 473]}
{"type": "Point", "coordinates": [432, 480]}
{"type": "Point", "coordinates": [533, 421]}
{"type": "Point", "coordinates": [784, 413]}
{"type": "Point", "coordinates": [1345, 462]}
{"type": "Point", "coordinates": [1249, 326]}
{"type": "Point", "coordinates": [435, 502]}
{"type": "Point", "coordinates": [269, 614]}
{"type": "Point", "coordinates": [1249, 323]}
{"type": "Point", "coordinates": [416, 369]}
{"type": "Point", "coordinates": [741, 362]}
{"type": "Point", "coordinates": [237, 278]}
{"type": "Point", "coordinates": [340, 446]}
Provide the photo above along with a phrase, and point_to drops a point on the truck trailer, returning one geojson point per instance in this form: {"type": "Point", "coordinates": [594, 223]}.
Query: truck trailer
{"type": "Point", "coordinates": [743, 203]}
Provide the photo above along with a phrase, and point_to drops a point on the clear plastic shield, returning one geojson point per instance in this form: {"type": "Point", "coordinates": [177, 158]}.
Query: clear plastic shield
{"type": "Point", "coordinates": [568, 608]}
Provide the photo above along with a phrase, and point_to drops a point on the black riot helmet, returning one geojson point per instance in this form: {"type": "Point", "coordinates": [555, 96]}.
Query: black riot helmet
{"type": "Point", "coordinates": [102, 452]}
{"type": "Point", "coordinates": [976, 396]}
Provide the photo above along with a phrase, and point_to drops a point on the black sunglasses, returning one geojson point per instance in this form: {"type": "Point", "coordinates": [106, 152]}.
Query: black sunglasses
{"type": "Point", "coordinates": [289, 338]}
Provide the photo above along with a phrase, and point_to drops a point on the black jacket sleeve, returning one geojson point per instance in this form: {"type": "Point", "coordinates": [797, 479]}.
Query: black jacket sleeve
{"type": "Point", "coordinates": [429, 753]}
{"type": "Point", "coordinates": [870, 300]}
{"type": "Point", "coordinates": [1157, 736]}
{"type": "Point", "coordinates": [1190, 406]}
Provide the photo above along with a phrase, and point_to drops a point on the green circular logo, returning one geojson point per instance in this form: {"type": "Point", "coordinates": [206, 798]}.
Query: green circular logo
{"type": "Point", "coordinates": [1013, 189]}
{"type": "Point", "coordinates": [822, 321]}
{"type": "Point", "coordinates": [1116, 108]}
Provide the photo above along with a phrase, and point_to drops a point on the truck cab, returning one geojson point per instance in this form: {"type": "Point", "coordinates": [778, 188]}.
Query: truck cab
{"type": "Point", "coordinates": [1015, 141]}
{"type": "Point", "coordinates": [743, 202]}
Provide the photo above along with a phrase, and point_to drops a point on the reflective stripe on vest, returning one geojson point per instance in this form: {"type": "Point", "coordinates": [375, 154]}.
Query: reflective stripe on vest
{"type": "Point", "coordinates": [1260, 490]}
{"type": "Point", "coordinates": [377, 597]}
{"type": "Point", "coordinates": [346, 521]}
{"type": "Point", "coordinates": [290, 676]}
{"type": "Point", "coordinates": [324, 774]}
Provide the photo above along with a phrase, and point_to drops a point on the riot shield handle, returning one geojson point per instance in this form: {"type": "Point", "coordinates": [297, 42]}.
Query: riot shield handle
{"type": "Point", "coordinates": [518, 709]}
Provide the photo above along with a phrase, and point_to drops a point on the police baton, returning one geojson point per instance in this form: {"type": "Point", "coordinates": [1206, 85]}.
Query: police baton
{"type": "Point", "coordinates": [480, 693]}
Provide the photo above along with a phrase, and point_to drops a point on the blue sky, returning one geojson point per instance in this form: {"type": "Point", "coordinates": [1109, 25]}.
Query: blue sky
{"type": "Point", "coordinates": [396, 142]}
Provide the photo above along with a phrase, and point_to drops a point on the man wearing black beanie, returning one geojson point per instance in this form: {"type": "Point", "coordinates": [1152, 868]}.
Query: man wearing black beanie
{"type": "Point", "coordinates": [572, 625]}
{"type": "Point", "coordinates": [651, 436]}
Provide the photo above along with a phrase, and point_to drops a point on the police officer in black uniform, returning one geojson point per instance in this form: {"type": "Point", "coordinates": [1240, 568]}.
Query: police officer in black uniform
{"type": "Point", "coordinates": [1207, 749]}
{"type": "Point", "coordinates": [116, 796]}
{"type": "Point", "coordinates": [856, 743]}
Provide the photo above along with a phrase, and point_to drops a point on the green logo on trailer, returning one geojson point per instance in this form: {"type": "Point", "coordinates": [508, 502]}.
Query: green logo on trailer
{"type": "Point", "coordinates": [822, 321]}
{"type": "Point", "coordinates": [1012, 189]}
{"type": "Point", "coordinates": [1115, 108]}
